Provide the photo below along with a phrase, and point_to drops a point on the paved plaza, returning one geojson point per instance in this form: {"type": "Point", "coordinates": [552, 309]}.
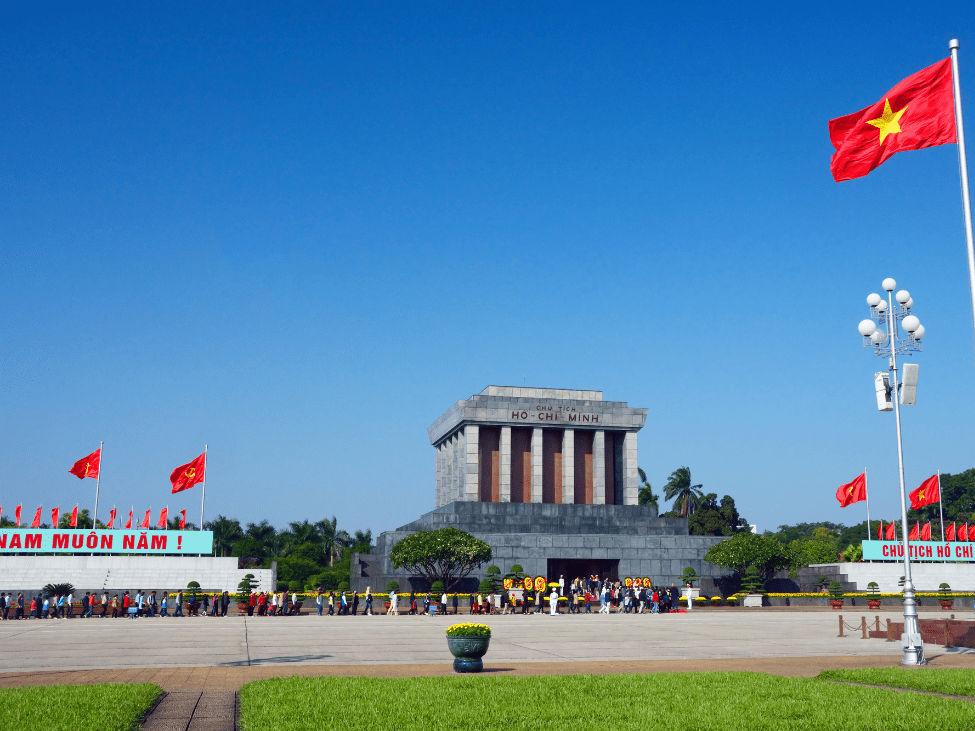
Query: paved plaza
{"type": "Point", "coordinates": [618, 639]}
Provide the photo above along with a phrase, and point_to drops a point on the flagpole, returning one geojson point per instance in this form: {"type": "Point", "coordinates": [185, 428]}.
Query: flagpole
{"type": "Point", "coordinates": [941, 508]}
{"type": "Point", "coordinates": [204, 498]}
{"type": "Point", "coordinates": [866, 491]}
{"type": "Point", "coordinates": [94, 518]}
{"type": "Point", "coordinates": [963, 172]}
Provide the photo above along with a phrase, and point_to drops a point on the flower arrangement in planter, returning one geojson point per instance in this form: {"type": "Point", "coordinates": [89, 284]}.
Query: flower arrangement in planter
{"type": "Point", "coordinates": [944, 596]}
{"type": "Point", "coordinates": [701, 601]}
{"type": "Point", "coordinates": [873, 595]}
{"type": "Point", "coordinates": [715, 601]}
{"type": "Point", "coordinates": [732, 601]}
{"type": "Point", "coordinates": [835, 595]}
{"type": "Point", "coordinates": [682, 601]}
{"type": "Point", "coordinates": [468, 642]}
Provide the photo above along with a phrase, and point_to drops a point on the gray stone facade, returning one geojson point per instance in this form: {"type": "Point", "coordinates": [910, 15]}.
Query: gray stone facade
{"type": "Point", "coordinates": [616, 540]}
{"type": "Point", "coordinates": [590, 457]}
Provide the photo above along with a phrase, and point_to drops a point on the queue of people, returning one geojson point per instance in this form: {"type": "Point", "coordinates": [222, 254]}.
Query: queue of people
{"type": "Point", "coordinates": [93, 604]}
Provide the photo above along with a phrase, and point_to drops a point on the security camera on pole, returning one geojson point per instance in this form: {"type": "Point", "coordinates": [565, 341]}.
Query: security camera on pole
{"type": "Point", "coordinates": [881, 333]}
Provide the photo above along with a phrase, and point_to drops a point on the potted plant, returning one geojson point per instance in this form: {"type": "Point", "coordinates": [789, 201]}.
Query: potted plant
{"type": "Point", "coordinates": [243, 596]}
{"type": "Point", "coordinates": [716, 601]}
{"type": "Point", "coordinates": [873, 595]}
{"type": "Point", "coordinates": [687, 579]}
{"type": "Point", "coordinates": [835, 595]}
{"type": "Point", "coordinates": [752, 585]}
{"type": "Point", "coordinates": [468, 642]}
{"type": "Point", "coordinates": [732, 600]}
{"type": "Point", "coordinates": [944, 597]}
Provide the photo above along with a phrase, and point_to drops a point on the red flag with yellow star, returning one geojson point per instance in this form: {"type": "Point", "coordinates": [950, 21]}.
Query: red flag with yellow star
{"type": "Point", "coordinates": [926, 494]}
{"type": "Point", "coordinates": [919, 112]}
{"type": "Point", "coordinates": [187, 475]}
{"type": "Point", "coordinates": [852, 492]}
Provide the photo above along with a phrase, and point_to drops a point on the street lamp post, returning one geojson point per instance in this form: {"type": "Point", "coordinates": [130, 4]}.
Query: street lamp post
{"type": "Point", "coordinates": [882, 334]}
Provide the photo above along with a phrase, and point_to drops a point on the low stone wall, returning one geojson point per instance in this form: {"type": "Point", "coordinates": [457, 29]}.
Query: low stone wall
{"type": "Point", "coordinates": [947, 632]}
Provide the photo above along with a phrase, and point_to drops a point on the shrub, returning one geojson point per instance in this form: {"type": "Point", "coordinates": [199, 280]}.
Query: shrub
{"type": "Point", "coordinates": [516, 569]}
{"type": "Point", "coordinates": [283, 586]}
{"type": "Point", "coordinates": [193, 585]}
{"type": "Point", "coordinates": [835, 590]}
{"type": "Point", "coordinates": [485, 587]}
{"type": "Point", "coordinates": [437, 588]}
{"type": "Point", "coordinates": [732, 601]}
{"type": "Point", "coordinates": [50, 590]}
{"type": "Point", "coordinates": [716, 601]}
{"type": "Point", "coordinates": [873, 588]}
{"type": "Point", "coordinates": [752, 583]}
{"type": "Point", "coordinates": [689, 576]}
{"type": "Point", "coordinates": [944, 592]}
{"type": "Point", "coordinates": [468, 629]}
{"type": "Point", "coordinates": [392, 586]}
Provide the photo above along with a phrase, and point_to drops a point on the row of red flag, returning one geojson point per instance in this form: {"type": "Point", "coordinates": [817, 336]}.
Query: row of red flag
{"type": "Point", "coordinates": [55, 514]}
{"type": "Point", "coordinates": [183, 477]}
{"type": "Point", "coordinates": [923, 532]}
{"type": "Point", "coordinates": [853, 492]}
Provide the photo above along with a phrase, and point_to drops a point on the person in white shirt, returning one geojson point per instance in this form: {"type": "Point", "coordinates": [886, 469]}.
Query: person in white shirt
{"type": "Point", "coordinates": [393, 602]}
{"type": "Point", "coordinates": [69, 604]}
{"type": "Point", "coordinates": [553, 602]}
{"type": "Point", "coordinates": [274, 604]}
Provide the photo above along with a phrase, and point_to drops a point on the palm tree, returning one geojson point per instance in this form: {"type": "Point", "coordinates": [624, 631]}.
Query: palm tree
{"type": "Point", "coordinates": [362, 541]}
{"type": "Point", "coordinates": [226, 532]}
{"type": "Point", "coordinates": [646, 495]}
{"type": "Point", "coordinates": [329, 533]}
{"type": "Point", "coordinates": [304, 532]}
{"type": "Point", "coordinates": [679, 488]}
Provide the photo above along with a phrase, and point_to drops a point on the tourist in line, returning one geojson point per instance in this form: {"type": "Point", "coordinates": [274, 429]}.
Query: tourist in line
{"type": "Point", "coordinates": [318, 602]}
{"type": "Point", "coordinates": [426, 604]}
{"type": "Point", "coordinates": [151, 605]}
{"type": "Point", "coordinates": [345, 604]}
{"type": "Point", "coordinates": [115, 606]}
{"type": "Point", "coordinates": [104, 604]}
{"type": "Point", "coordinates": [164, 604]}
{"type": "Point", "coordinates": [504, 602]}
{"type": "Point", "coordinates": [178, 612]}
{"type": "Point", "coordinates": [355, 604]}
{"type": "Point", "coordinates": [33, 609]}
{"type": "Point", "coordinates": [456, 602]}
{"type": "Point", "coordinates": [368, 609]}
{"type": "Point", "coordinates": [443, 603]}
{"type": "Point", "coordinates": [5, 604]}
{"type": "Point", "coordinates": [19, 613]}
{"type": "Point", "coordinates": [393, 603]}
{"type": "Point", "coordinates": [472, 604]}
{"type": "Point", "coordinates": [85, 604]}
{"type": "Point", "coordinates": [206, 604]}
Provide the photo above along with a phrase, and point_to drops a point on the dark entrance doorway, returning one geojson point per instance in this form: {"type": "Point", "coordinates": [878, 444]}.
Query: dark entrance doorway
{"type": "Point", "coordinates": [575, 568]}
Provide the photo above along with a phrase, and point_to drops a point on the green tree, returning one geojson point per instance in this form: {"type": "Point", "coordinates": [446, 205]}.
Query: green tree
{"type": "Point", "coordinates": [716, 519]}
{"type": "Point", "coordinates": [226, 532]}
{"type": "Point", "coordinates": [646, 495]}
{"type": "Point", "coordinates": [803, 552]}
{"type": "Point", "coordinates": [333, 539]}
{"type": "Point", "coordinates": [446, 555]}
{"type": "Point", "coordinates": [680, 490]}
{"type": "Point", "coordinates": [296, 570]}
{"type": "Point", "coordinates": [747, 549]}
{"type": "Point", "coordinates": [84, 520]}
{"type": "Point", "coordinates": [362, 541]}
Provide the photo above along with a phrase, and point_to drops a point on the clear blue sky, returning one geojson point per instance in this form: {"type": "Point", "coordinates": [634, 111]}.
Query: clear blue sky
{"type": "Point", "coordinates": [299, 233]}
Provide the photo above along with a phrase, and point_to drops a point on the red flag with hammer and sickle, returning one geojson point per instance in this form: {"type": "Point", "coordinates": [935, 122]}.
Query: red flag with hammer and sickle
{"type": "Point", "coordinates": [87, 466]}
{"type": "Point", "coordinates": [852, 492]}
{"type": "Point", "coordinates": [187, 475]}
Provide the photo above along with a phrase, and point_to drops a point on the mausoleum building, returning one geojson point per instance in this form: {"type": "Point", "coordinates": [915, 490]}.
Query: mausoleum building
{"type": "Point", "coordinates": [549, 479]}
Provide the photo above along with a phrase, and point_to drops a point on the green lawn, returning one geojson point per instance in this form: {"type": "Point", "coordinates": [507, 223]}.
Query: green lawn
{"type": "Point", "coordinates": [108, 707]}
{"type": "Point", "coordinates": [719, 701]}
{"type": "Point", "coordinates": [953, 681]}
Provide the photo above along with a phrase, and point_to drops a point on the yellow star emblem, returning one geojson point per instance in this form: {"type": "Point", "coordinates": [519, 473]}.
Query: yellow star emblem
{"type": "Point", "coordinates": [889, 122]}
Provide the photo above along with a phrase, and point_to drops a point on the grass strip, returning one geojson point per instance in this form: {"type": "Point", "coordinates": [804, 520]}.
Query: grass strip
{"type": "Point", "coordinates": [103, 707]}
{"type": "Point", "coordinates": [702, 701]}
{"type": "Point", "coordinates": [953, 681]}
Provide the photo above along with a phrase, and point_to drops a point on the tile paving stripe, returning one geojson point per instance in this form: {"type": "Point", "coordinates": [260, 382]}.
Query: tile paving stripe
{"type": "Point", "coordinates": [194, 710]}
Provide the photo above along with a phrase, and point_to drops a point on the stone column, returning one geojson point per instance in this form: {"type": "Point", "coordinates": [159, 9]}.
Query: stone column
{"type": "Point", "coordinates": [504, 477]}
{"type": "Point", "coordinates": [439, 481]}
{"type": "Point", "coordinates": [471, 467]}
{"type": "Point", "coordinates": [537, 464]}
{"type": "Point", "coordinates": [631, 478]}
{"type": "Point", "coordinates": [455, 468]}
{"type": "Point", "coordinates": [599, 467]}
{"type": "Point", "coordinates": [568, 467]}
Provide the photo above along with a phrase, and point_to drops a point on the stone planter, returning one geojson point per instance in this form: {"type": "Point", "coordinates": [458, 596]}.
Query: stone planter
{"type": "Point", "coordinates": [467, 652]}
{"type": "Point", "coordinates": [873, 603]}
{"type": "Point", "coordinates": [836, 603]}
{"type": "Point", "coordinates": [945, 604]}
{"type": "Point", "coordinates": [244, 608]}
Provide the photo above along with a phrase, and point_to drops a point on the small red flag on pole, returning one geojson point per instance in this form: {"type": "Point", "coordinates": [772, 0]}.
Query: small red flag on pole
{"type": "Point", "coordinates": [926, 531]}
{"type": "Point", "coordinates": [111, 519]}
{"type": "Point", "coordinates": [74, 517]}
{"type": "Point", "coordinates": [963, 533]}
{"type": "Point", "coordinates": [892, 532]}
{"type": "Point", "coordinates": [37, 518]}
{"type": "Point", "coordinates": [950, 533]}
{"type": "Point", "coordinates": [128, 524]}
{"type": "Point", "coordinates": [163, 518]}
{"type": "Point", "coordinates": [913, 536]}
{"type": "Point", "coordinates": [182, 519]}
{"type": "Point", "coordinates": [17, 514]}
{"type": "Point", "coordinates": [880, 531]}
{"type": "Point", "coordinates": [54, 517]}
{"type": "Point", "coordinates": [145, 521]}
